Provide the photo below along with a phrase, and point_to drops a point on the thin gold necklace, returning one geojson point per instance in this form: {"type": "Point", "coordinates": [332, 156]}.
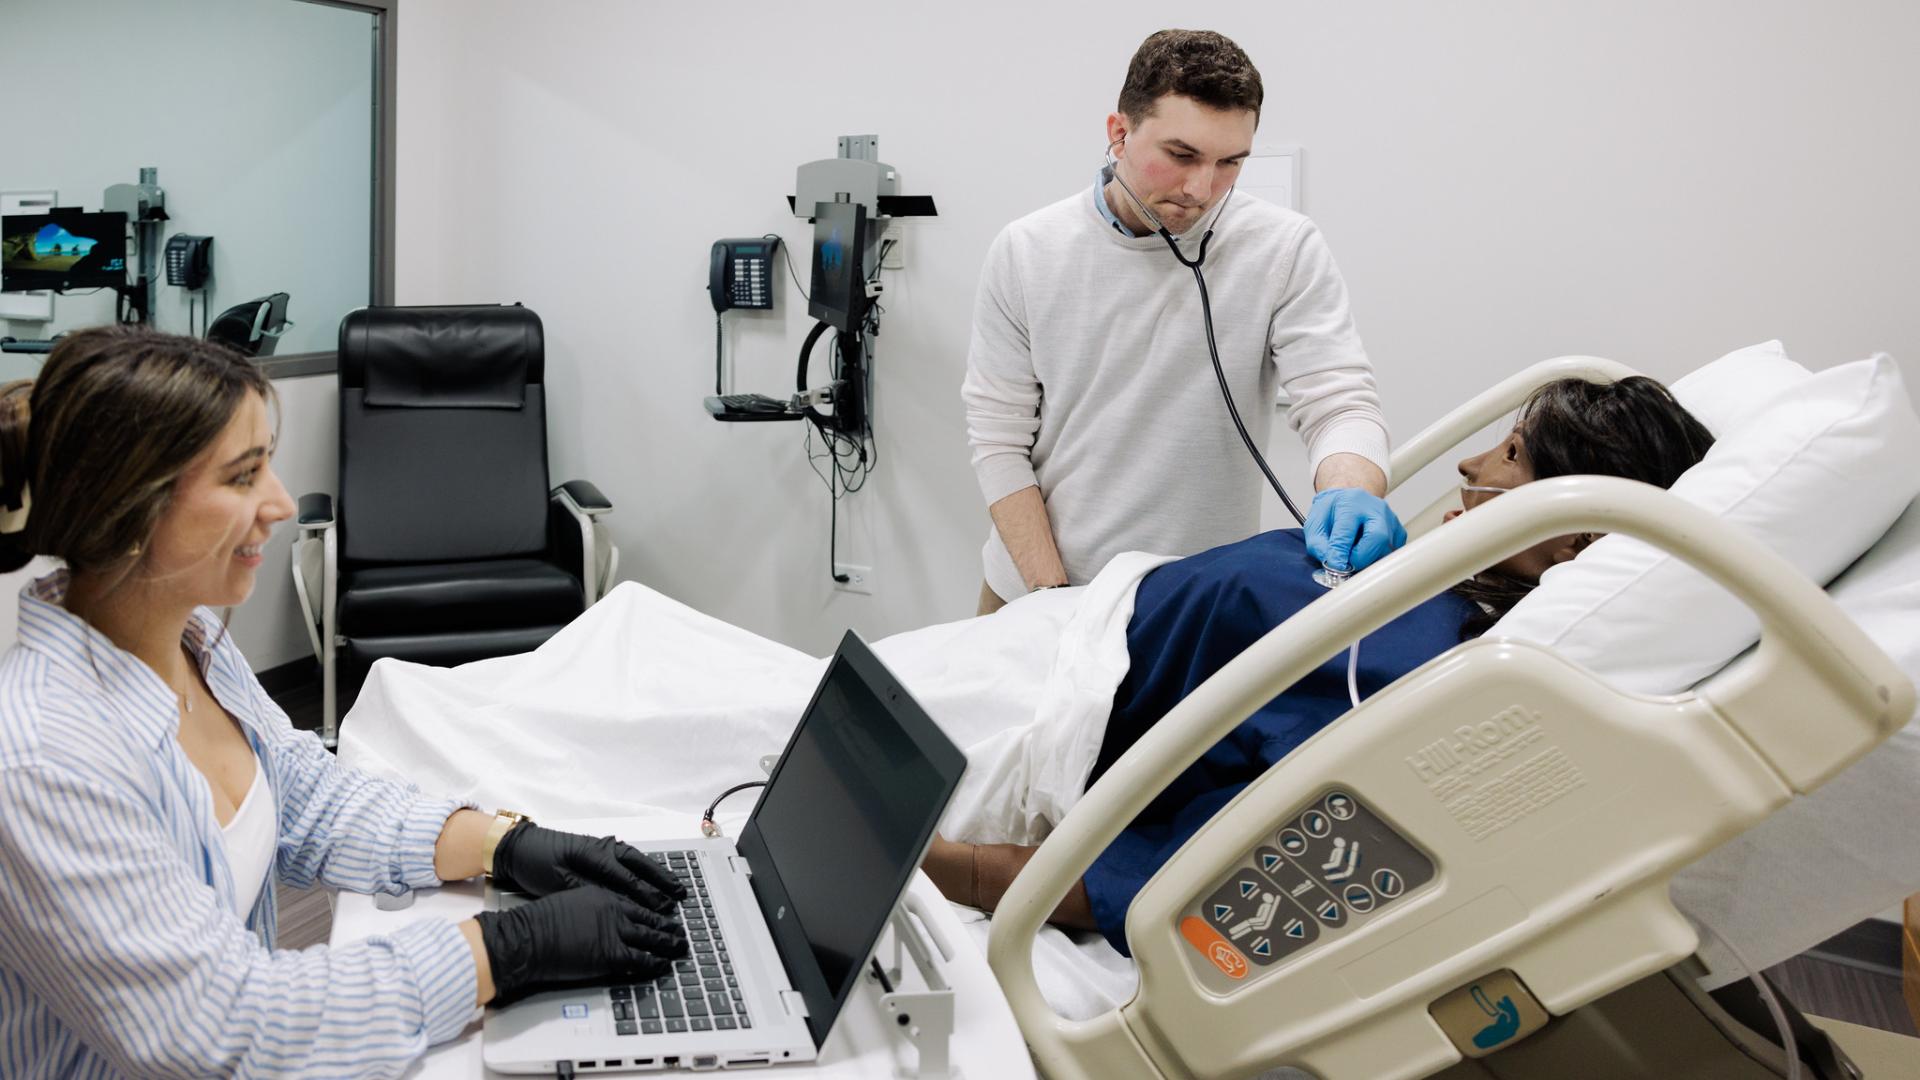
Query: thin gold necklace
{"type": "Point", "coordinates": [185, 701]}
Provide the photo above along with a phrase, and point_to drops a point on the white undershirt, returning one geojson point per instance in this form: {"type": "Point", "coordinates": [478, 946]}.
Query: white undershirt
{"type": "Point", "coordinates": [251, 838]}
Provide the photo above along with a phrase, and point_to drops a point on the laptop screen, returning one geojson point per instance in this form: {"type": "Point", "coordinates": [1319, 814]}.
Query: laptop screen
{"type": "Point", "coordinates": [842, 825]}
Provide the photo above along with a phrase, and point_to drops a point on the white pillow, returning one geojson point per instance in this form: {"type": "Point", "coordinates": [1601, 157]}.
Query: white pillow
{"type": "Point", "coordinates": [1736, 388]}
{"type": "Point", "coordinates": [1820, 470]}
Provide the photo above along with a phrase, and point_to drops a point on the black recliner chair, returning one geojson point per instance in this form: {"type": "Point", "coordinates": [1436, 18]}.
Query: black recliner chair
{"type": "Point", "coordinates": [444, 543]}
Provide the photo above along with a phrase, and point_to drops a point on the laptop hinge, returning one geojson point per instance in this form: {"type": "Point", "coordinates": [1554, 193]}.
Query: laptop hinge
{"type": "Point", "coordinates": [795, 1004]}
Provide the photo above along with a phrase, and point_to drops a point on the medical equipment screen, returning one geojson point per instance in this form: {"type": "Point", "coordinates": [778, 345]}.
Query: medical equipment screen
{"type": "Point", "coordinates": [846, 818]}
{"type": "Point", "coordinates": [838, 296]}
{"type": "Point", "coordinates": [65, 249]}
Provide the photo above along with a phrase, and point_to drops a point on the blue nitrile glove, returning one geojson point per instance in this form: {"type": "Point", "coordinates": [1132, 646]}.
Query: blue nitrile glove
{"type": "Point", "coordinates": [1350, 529]}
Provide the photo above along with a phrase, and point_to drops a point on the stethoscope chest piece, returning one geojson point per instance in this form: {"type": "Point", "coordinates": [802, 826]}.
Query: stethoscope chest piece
{"type": "Point", "coordinates": [1331, 579]}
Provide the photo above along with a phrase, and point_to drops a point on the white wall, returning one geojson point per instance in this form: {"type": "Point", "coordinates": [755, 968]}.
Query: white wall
{"type": "Point", "coordinates": [1501, 182]}
{"type": "Point", "coordinates": [257, 114]}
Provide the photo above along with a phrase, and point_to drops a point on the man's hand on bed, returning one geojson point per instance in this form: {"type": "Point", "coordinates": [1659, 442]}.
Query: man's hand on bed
{"type": "Point", "coordinates": [538, 861]}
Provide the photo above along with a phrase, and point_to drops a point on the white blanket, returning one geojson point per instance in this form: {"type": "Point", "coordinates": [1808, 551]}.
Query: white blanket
{"type": "Point", "coordinates": [644, 704]}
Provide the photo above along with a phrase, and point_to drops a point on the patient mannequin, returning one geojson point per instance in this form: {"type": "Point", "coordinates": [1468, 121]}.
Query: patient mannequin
{"type": "Point", "coordinates": [1194, 615]}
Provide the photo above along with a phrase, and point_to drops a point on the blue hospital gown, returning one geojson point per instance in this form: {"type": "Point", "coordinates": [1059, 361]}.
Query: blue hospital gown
{"type": "Point", "coordinates": [1191, 617]}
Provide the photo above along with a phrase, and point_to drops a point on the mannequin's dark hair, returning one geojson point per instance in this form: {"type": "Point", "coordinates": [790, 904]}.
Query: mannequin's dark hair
{"type": "Point", "coordinates": [98, 439]}
{"type": "Point", "coordinates": [1631, 428]}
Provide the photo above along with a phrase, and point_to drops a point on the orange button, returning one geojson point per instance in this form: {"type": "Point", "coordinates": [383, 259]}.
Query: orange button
{"type": "Point", "coordinates": [1214, 947]}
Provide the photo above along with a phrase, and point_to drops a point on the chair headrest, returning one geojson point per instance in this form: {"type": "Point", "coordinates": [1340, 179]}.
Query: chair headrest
{"type": "Point", "coordinates": [254, 327]}
{"type": "Point", "coordinates": [472, 357]}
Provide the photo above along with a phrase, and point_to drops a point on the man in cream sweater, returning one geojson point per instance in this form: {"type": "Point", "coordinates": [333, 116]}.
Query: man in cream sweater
{"type": "Point", "coordinates": [1092, 408]}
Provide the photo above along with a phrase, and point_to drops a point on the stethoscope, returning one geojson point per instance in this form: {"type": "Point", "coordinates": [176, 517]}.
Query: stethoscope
{"type": "Point", "coordinates": [1112, 168]}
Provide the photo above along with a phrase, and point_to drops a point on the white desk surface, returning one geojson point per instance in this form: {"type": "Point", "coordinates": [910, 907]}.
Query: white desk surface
{"type": "Point", "coordinates": [986, 1042]}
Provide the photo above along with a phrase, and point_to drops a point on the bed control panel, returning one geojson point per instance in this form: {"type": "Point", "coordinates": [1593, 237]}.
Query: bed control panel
{"type": "Point", "coordinates": [1326, 870]}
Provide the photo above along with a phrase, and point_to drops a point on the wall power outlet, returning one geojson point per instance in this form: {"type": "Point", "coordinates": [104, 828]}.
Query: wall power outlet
{"type": "Point", "coordinates": [859, 580]}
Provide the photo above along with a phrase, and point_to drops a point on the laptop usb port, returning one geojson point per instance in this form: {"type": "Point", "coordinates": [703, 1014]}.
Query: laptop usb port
{"type": "Point", "coordinates": [706, 1061]}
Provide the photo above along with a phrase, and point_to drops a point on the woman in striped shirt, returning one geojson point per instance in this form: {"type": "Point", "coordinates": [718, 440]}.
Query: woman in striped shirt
{"type": "Point", "coordinates": [151, 795]}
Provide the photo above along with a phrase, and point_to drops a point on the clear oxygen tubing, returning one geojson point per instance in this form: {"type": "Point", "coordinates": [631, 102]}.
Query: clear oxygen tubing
{"type": "Point", "coordinates": [1772, 1001]}
{"type": "Point", "coordinates": [1206, 313]}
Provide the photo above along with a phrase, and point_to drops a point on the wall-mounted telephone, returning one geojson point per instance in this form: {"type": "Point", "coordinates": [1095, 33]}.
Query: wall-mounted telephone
{"type": "Point", "coordinates": [189, 260]}
{"type": "Point", "coordinates": [741, 273]}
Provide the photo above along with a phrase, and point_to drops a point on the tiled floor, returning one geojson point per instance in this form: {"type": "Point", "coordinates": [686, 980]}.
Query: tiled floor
{"type": "Point", "coordinates": [1868, 995]}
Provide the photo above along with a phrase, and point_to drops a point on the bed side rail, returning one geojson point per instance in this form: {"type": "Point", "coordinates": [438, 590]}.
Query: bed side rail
{"type": "Point", "coordinates": [1530, 818]}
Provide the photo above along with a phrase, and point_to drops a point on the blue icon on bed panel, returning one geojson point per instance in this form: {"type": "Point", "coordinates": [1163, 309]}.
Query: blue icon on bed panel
{"type": "Point", "coordinates": [1506, 1020]}
{"type": "Point", "coordinates": [1329, 912]}
{"type": "Point", "coordinates": [1316, 823]}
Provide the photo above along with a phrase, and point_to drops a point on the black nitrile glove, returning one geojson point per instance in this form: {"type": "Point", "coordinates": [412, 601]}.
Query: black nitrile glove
{"type": "Point", "coordinates": [537, 861]}
{"type": "Point", "coordinates": [574, 936]}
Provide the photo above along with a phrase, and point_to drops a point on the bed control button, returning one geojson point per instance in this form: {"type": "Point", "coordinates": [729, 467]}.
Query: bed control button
{"type": "Point", "coordinates": [1316, 823]}
{"type": "Point", "coordinates": [1330, 913]}
{"type": "Point", "coordinates": [1359, 898]}
{"type": "Point", "coordinates": [1488, 1014]}
{"type": "Point", "coordinates": [1214, 947]}
{"type": "Point", "coordinates": [1293, 842]}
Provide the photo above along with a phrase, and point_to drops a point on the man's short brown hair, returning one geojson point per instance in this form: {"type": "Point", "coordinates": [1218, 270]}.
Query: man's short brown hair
{"type": "Point", "coordinates": [1199, 64]}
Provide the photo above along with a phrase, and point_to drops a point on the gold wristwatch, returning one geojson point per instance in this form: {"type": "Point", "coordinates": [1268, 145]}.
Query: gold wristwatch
{"type": "Point", "coordinates": [502, 821]}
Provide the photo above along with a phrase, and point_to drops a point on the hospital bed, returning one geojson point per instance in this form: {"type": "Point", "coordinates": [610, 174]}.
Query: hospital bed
{"type": "Point", "coordinates": [1471, 914]}
{"type": "Point", "coordinates": [1516, 825]}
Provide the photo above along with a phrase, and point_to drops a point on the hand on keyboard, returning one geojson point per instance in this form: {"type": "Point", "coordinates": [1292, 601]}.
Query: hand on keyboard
{"type": "Point", "coordinates": [575, 936]}
{"type": "Point", "coordinates": [537, 861]}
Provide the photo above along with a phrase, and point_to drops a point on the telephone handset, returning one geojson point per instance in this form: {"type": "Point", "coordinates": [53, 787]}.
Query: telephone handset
{"type": "Point", "coordinates": [741, 273]}
{"type": "Point", "coordinates": [189, 260]}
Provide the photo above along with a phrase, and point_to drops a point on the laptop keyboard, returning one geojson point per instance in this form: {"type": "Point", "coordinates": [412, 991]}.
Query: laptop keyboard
{"type": "Point", "coordinates": [701, 993]}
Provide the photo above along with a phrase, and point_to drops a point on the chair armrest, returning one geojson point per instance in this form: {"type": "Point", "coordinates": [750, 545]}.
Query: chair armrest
{"type": "Point", "coordinates": [585, 496]}
{"type": "Point", "coordinates": [316, 511]}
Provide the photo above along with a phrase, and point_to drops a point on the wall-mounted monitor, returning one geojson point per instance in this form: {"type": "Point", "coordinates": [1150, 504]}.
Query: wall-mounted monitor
{"type": "Point", "coordinates": [63, 250]}
{"type": "Point", "coordinates": [839, 294]}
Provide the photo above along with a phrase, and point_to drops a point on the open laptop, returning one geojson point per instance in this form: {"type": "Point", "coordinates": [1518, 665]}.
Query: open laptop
{"type": "Point", "coordinates": [781, 923]}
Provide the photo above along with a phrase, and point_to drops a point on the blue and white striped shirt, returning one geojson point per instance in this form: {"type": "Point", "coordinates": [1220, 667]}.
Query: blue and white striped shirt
{"type": "Point", "coordinates": [120, 953]}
